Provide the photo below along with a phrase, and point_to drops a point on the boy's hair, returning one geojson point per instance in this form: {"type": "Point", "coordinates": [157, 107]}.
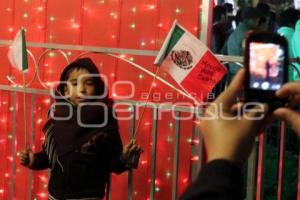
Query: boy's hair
{"type": "Point", "coordinates": [89, 65]}
{"type": "Point", "coordinates": [289, 17]}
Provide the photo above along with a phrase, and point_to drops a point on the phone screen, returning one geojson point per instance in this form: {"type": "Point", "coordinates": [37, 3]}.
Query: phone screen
{"type": "Point", "coordinates": [266, 65]}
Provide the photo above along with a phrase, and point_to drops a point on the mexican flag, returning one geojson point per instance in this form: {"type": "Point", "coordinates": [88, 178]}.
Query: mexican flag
{"type": "Point", "coordinates": [189, 61]}
{"type": "Point", "coordinates": [17, 53]}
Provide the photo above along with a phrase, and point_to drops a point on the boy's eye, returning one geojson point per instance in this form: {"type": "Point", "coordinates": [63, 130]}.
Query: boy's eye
{"type": "Point", "coordinates": [73, 83]}
{"type": "Point", "coordinates": [89, 82]}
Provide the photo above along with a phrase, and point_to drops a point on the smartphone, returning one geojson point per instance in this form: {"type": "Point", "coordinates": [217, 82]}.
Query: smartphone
{"type": "Point", "coordinates": [266, 63]}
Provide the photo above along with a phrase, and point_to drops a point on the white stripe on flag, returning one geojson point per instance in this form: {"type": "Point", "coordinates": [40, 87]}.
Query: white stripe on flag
{"type": "Point", "coordinates": [186, 43]}
{"type": "Point", "coordinates": [15, 53]}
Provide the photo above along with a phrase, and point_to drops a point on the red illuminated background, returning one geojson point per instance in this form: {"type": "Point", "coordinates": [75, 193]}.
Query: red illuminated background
{"type": "Point", "coordinates": [130, 24]}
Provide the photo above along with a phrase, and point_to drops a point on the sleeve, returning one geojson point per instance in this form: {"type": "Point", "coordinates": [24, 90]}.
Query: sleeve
{"type": "Point", "coordinates": [110, 148]}
{"type": "Point", "coordinates": [218, 180]}
{"type": "Point", "coordinates": [118, 164]}
{"type": "Point", "coordinates": [41, 161]}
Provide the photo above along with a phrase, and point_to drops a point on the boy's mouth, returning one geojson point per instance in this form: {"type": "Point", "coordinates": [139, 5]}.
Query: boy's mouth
{"type": "Point", "coordinates": [80, 99]}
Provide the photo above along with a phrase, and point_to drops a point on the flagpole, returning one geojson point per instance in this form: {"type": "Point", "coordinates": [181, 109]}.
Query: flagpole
{"type": "Point", "coordinates": [17, 56]}
{"type": "Point", "coordinates": [144, 108]}
{"type": "Point", "coordinates": [24, 109]}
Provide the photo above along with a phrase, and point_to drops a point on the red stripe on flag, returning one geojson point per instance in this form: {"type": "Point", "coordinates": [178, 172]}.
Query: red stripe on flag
{"type": "Point", "coordinates": [204, 76]}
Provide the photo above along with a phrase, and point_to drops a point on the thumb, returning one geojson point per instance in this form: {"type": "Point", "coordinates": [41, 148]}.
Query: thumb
{"type": "Point", "coordinates": [30, 153]}
{"type": "Point", "coordinates": [289, 116]}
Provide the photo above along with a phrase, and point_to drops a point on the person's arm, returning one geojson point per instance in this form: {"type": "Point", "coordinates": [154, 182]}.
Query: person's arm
{"type": "Point", "coordinates": [219, 179]}
{"type": "Point", "coordinates": [228, 139]}
{"type": "Point", "coordinates": [122, 156]}
{"type": "Point", "coordinates": [41, 161]}
{"type": "Point", "coordinates": [35, 161]}
{"type": "Point", "coordinates": [118, 163]}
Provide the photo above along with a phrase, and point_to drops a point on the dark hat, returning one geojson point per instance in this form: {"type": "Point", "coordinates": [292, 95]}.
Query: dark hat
{"type": "Point", "coordinates": [251, 13]}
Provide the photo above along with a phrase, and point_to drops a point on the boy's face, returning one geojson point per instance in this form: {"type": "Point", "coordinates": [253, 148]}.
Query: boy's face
{"type": "Point", "coordinates": [80, 85]}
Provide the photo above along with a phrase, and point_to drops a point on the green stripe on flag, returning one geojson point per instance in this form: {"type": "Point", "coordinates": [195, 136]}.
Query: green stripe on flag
{"type": "Point", "coordinates": [24, 52]}
{"type": "Point", "coordinates": [176, 35]}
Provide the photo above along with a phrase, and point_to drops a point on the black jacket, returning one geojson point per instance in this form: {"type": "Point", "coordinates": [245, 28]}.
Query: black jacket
{"type": "Point", "coordinates": [218, 180]}
{"type": "Point", "coordinates": [83, 171]}
{"type": "Point", "coordinates": [80, 174]}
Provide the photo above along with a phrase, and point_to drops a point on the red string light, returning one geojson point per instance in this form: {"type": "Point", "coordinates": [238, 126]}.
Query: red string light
{"type": "Point", "coordinates": [185, 180]}
{"type": "Point", "coordinates": [195, 158]}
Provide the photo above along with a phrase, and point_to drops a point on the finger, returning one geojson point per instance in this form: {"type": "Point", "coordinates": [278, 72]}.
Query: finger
{"type": "Point", "coordinates": [132, 149]}
{"type": "Point", "coordinates": [289, 89]}
{"type": "Point", "coordinates": [289, 116]}
{"type": "Point", "coordinates": [21, 154]}
{"type": "Point", "coordinates": [294, 100]}
{"type": "Point", "coordinates": [24, 161]}
{"type": "Point", "coordinates": [228, 97]}
{"type": "Point", "coordinates": [24, 158]}
{"type": "Point", "coordinates": [138, 149]}
{"type": "Point", "coordinates": [129, 145]}
{"type": "Point", "coordinates": [127, 148]}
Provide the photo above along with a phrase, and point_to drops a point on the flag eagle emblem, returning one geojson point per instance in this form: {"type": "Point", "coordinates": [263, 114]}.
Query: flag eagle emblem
{"type": "Point", "coordinates": [182, 59]}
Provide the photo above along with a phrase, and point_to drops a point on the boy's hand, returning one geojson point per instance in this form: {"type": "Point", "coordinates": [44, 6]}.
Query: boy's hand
{"type": "Point", "coordinates": [131, 148]}
{"type": "Point", "coordinates": [27, 158]}
{"type": "Point", "coordinates": [131, 154]}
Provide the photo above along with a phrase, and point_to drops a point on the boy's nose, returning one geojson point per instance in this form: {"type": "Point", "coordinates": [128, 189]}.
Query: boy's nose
{"type": "Point", "coordinates": [82, 89]}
